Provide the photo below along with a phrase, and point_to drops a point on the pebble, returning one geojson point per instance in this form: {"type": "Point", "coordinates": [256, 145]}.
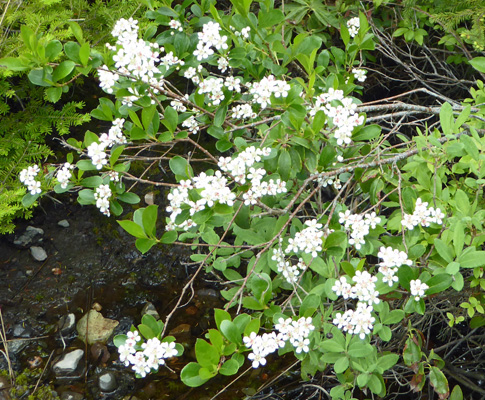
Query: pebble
{"type": "Point", "coordinates": [107, 382]}
{"type": "Point", "coordinates": [17, 346]}
{"type": "Point", "coordinates": [38, 253]}
{"type": "Point", "coordinates": [68, 363]}
{"type": "Point", "coordinates": [19, 330]}
{"type": "Point", "coordinates": [67, 323]}
{"type": "Point", "coordinates": [150, 309]}
{"type": "Point", "coordinates": [64, 223]}
{"type": "Point", "coordinates": [71, 396]}
{"type": "Point", "coordinates": [30, 235]}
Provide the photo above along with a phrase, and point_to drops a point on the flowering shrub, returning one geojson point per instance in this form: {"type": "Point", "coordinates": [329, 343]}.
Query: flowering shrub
{"type": "Point", "coordinates": [304, 198]}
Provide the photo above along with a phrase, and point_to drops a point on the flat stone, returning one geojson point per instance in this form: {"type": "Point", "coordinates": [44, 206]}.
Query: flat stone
{"type": "Point", "coordinates": [38, 253]}
{"type": "Point", "coordinates": [31, 235]}
{"type": "Point", "coordinates": [64, 223]}
{"type": "Point", "coordinates": [68, 363]}
{"type": "Point", "coordinates": [17, 346]}
{"type": "Point", "coordinates": [67, 323]}
{"type": "Point", "coordinates": [93, 327]}
{"type": "Point", "coordinates": [150, 309]}
{"type": "Point", "coordinates": [22, 331]}
{"type": "Point", "coordinates": [107, 382]}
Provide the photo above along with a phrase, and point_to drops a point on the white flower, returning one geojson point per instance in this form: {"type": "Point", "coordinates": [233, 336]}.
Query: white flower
{"type": "Point", "coordinates": [359, 74]}
{"type": "Point", "coordinates": [417, 289]}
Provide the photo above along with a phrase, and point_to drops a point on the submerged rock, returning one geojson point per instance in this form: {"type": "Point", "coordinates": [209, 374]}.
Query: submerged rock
{"type": "Point", "coordinates": [71, 396]}
{"type": "Point", "coordinates": [38, 253]}
{"type": "Point", "coordinates": [68, 363]}
{"type": "Point", "coordinates": [93, 327]}
{"type": "Point", "coordinates": [107, 382]}
{"type": "Point", "coordinates": [150, 309]}
{"type": "Point", "coordinates": [30, 236]}
{"type": "Point", "coordinates": [64, 223]}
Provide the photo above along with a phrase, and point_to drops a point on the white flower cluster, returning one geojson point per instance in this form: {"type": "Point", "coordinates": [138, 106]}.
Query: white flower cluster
{"type": "Point", "coordinates": [417, 289]}
{"type": "Point", "coordinates": [178, 105]}
{"type": "Point", "coordinates": [27, 177]}
{"type": "Point", "coordinates": [150, 355]}
{"type": "Point", "coordinates": [343, 115]}
{"type": "Point", "coordinates": [64, 174]}
{"type": "Point", "coordinates": [210, 189]}
{"type": "Point", "coordinates": [114, 176]}
{"type": "Point", "coordinates": [114, 135]}
{"type": "Point", "coordinates": [422, 216]}
{"type": "Point", "coordinates": [102, 195]}
{"type": "Point", "coordinates": [238, 166]}
{"type": "Point", "coordinates": [175, 25]}
{"type": "Point", "coordinates": [309, 240]}
{"type": "Point", "coordinates": [364, 289]}
{"type": "Point", "coordinates": [97, 154]}
{"type": "Point", "coordinates": [358, 225]}
{"type": "Point", "coordinates": [268, 86]}
{"type": "Point", "coordinates": [134, 56]}
{"type": "Point", "coordinates": [213, 87]}
{"type": "Point", "coordinates": [359, 74]}
{"type": "Point", "coordinates": [244, 32]}
{"type": "Point", "coordinates": [191, 124]}
{"type": "Point", "coordinates": [243, 111]}
{"type": "Point", "coordinates": [296, 332]}
{"type": "Point", "coordinates": [329, 181]}
{"type": "Point", "coordinates": [392, 259]}
{"type": "Point", "coordinates": [170, 59]}
{"type": "Point", "coordinates": [191, 73]}
{"type": "Point", "coordinates": [208, 38]}
{"type": "Point", "coordinates": [222, 64]}
{"type": "Point", "coordinates": [353, 24]}
{"type": "Point", "coordinates": [359, 322]}
{"type": "Point", "coordinates": [285, 267]}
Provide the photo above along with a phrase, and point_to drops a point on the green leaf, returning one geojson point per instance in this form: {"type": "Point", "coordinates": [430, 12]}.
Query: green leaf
{"type": "Point", "coordinates": [368, 132]}
{"type": "Point", "coordinates": [144, 245]}
{"type": "Point", "coordinates": [331, 345]}
{"type": "Point", "coordinates": [14, 64]}
{"type": "Point", "coordinates": [38, 76]}
{"type": "Point", "coordinates": [472, 259]}
{"type": "Point", "coordinates": [387, 361]}
{"type": "Point", "coordinates": [284, 165]}
{"type": "Point", "coordinates": [220, 116]}
{"type": "Point", "coordinates": [190, 375]}
{"type": "Point", "coordinates": [169, 237]}
{"type": "Point", "coordinates": [115, 155]}
{"type": "Point", "coordinates": [132, 228]}
{"type": "Point", "coordinates": [393, 317]}
{"type": "Point", "coordinates": [443, 250]}
{"type": "Point", "coordinates": [170, 119]}
{"type": "Point", "coordinates": [53, 94]}
{"type": "Point", "coordinates": [341, 365]}
{"type": "Point", "coordinates": [77, 31]}
{"type": "Point", "coordinates": [221, 315]}
{"type": "Point", "coordinates": [151, 322]}
{"type": "Point", "coordinates": [29, 199]}
{"type": "Point", "coordinates": [446, 119]}
{"type": "Point", "coordinates": [478, 63]}
{"type": "Point", "coordinates": [438, 381]}
{"type": "Point", "coordinates": [84, 54]}
{"type": "Point", "coordinates": [456, 393]}
{"type": "Point", "coordinates": [179, 165]}
{"type": "Point", "coordinates": [63, 70]}
{"type": "Point", "coordinates": [230, 367]}
{"type": "Point", "coordinates": [207, 356]}
{"type": "Point", "coordinates": [230, 331]}
{"type": "Point", "coordinates": [252, 326]}
{"type": "Point", "coordinates": [439, 283]}
{"type": "Point", "coordinates": [149, 219]}
{"type": "Point", "coordinates": [119, 340]}
{"type": "Point", "coordinates": [270, 18]}
{"type": "Point", "coordinates": [146, 331]}
{"type": "Point", "coordinates": [359, 349]}
{"type": "Point", "coordinates": [53, 49]}
{"type": "Point", "coordinates": [72, 51]}
{"type": "Point", "coordinates": [129, 198]}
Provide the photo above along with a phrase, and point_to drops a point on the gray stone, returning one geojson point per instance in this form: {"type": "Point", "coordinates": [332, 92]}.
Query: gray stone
{"type": "Point", "coordinates": [20, 330]}
{"type": "Point", "coordinates": [150, 309]}
{"type": "Point", "coordinates": [68, 363]}
{"type": "Point", "coordinates": [67, 323]}
{"type": "Point", "coordinates": [16, 346]}
{"type": "Point", "coordinates": [71, 396]}
{"type": "Point", "coordinates": [30, 236]}
{"type": "Point", "coordinates": [38, 253]}
{"type": "Point", "coordinates": [64, 223]}
{"type": "Point", "coordinates": [107, 382]}
{"type": "Point", "coordinates": [100, 328]}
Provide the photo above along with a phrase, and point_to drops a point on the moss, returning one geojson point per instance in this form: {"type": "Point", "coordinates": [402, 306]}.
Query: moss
{"type": "Point", "coordinates": [25, 384]}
